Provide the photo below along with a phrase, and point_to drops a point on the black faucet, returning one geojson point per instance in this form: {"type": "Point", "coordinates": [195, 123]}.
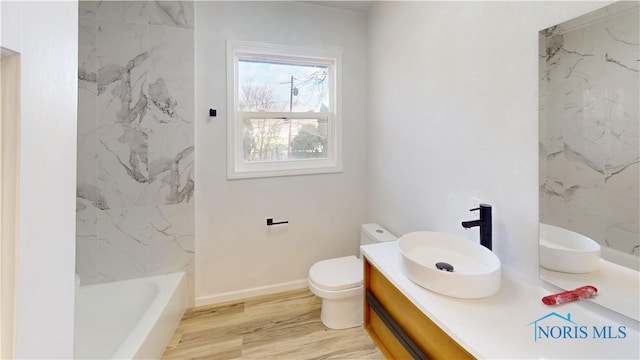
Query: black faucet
{"type": "Point", "coordinates": [484, 223]}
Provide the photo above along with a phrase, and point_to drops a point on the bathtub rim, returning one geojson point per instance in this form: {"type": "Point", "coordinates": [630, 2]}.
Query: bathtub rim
{"type": "Point", "coordinates": [149, 337]}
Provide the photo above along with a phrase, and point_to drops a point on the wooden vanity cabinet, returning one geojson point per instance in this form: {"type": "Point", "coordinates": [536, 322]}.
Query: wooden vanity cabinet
{"type": "Point", "coordinates": [398, 327]}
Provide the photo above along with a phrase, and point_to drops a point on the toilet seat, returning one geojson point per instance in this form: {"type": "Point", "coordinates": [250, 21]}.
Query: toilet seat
{"type": "Point", "coordinates": [337, 274]}
{"type": "Point", "coordinates": [339, 295]}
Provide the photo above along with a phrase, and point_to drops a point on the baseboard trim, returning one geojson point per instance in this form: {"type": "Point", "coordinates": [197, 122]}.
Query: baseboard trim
{"type": "Point", "coordinates": [248, 293]}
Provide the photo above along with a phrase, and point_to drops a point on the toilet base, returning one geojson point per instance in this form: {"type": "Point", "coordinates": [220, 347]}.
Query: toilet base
{"type": "Point", "coordinates": [342, 313]}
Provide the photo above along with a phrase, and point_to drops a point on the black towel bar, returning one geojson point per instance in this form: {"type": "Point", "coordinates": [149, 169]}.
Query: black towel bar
{"type": "Point", "coordinates": [270, 222]}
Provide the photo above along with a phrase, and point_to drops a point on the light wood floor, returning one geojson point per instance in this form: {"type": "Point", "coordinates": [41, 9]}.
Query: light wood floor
{"type": "Point", "coordinates": [282, 326]}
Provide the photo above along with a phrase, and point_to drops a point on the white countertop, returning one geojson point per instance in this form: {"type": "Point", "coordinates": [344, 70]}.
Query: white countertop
{"type": "Point", "coordinates": [618, 286]}
{"type": "Point", "coordinates": [504, 325]}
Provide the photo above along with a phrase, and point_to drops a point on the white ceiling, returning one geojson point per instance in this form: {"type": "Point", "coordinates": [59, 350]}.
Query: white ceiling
{"type": "Point", "coordinates": [358, 6]}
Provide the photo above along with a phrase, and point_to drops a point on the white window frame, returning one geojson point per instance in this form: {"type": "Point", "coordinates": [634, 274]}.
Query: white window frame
{"type": "Point", "coordinates": [237, 168]}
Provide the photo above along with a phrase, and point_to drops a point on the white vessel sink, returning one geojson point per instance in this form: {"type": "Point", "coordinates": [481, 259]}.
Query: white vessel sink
{"type": "Point", "coordinates": [567, 251]}
{"type": "Point", "coordinates": [476, 270]}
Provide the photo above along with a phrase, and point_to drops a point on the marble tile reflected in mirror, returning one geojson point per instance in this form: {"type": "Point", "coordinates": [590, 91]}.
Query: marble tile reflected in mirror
{"type": "Point", "coordinates": [590, 144]}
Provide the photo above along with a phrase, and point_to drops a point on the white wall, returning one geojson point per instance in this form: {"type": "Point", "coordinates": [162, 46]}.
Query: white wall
{"type": "Point", "coordinates": [453, 101]}
{"type": "Point", "coordinates": [46, 35]}
{"type": "Point", "coordinates": [236, 254]}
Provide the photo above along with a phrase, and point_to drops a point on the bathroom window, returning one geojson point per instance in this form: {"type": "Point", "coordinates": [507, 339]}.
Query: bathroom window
{"type": "Point", "coordinates": [284, 117]}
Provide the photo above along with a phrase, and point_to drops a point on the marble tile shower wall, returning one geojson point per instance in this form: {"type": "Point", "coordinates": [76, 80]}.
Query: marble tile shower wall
{"type": "Point", "coordinates": [135, 209]}
{"type": "Point", "coordinates": [590, 161]}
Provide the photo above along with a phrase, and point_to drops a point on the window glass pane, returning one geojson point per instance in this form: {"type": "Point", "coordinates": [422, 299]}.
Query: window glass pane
{"type": "Point", "coordinates": [284, 139]}
{"type": "Point", "coordinates": [279, 87]}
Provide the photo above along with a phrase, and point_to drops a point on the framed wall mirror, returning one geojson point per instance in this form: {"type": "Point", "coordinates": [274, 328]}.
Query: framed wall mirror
{"type": "Point", "coordinates": [589, 134]}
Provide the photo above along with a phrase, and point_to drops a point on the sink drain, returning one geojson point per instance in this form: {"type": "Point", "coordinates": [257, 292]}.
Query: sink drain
{"type": "Point", "coordinates": [444, 266]}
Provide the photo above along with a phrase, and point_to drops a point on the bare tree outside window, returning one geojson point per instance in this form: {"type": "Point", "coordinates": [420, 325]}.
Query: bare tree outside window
{"type": "Point", "coordinates": [289, 135]}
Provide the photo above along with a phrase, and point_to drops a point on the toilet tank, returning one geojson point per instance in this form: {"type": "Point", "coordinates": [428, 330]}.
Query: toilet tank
{"type": "Point", "coordinates": [374, 233]}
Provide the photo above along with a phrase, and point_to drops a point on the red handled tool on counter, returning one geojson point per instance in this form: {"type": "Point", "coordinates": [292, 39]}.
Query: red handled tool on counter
{"type": "Point", "coordinates": [570, 295]}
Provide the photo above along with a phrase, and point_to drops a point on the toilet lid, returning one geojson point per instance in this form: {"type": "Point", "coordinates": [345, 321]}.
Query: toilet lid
{"type": "Point", "coordinates": [337, 274]}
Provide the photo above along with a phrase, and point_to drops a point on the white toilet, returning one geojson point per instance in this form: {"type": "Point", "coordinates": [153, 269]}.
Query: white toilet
{"type": "Point", "coordinates": [339, 282]}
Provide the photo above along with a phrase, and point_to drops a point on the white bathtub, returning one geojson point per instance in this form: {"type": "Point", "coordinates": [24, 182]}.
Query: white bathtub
{"type": "Point", "coordinates": [131, 319]}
